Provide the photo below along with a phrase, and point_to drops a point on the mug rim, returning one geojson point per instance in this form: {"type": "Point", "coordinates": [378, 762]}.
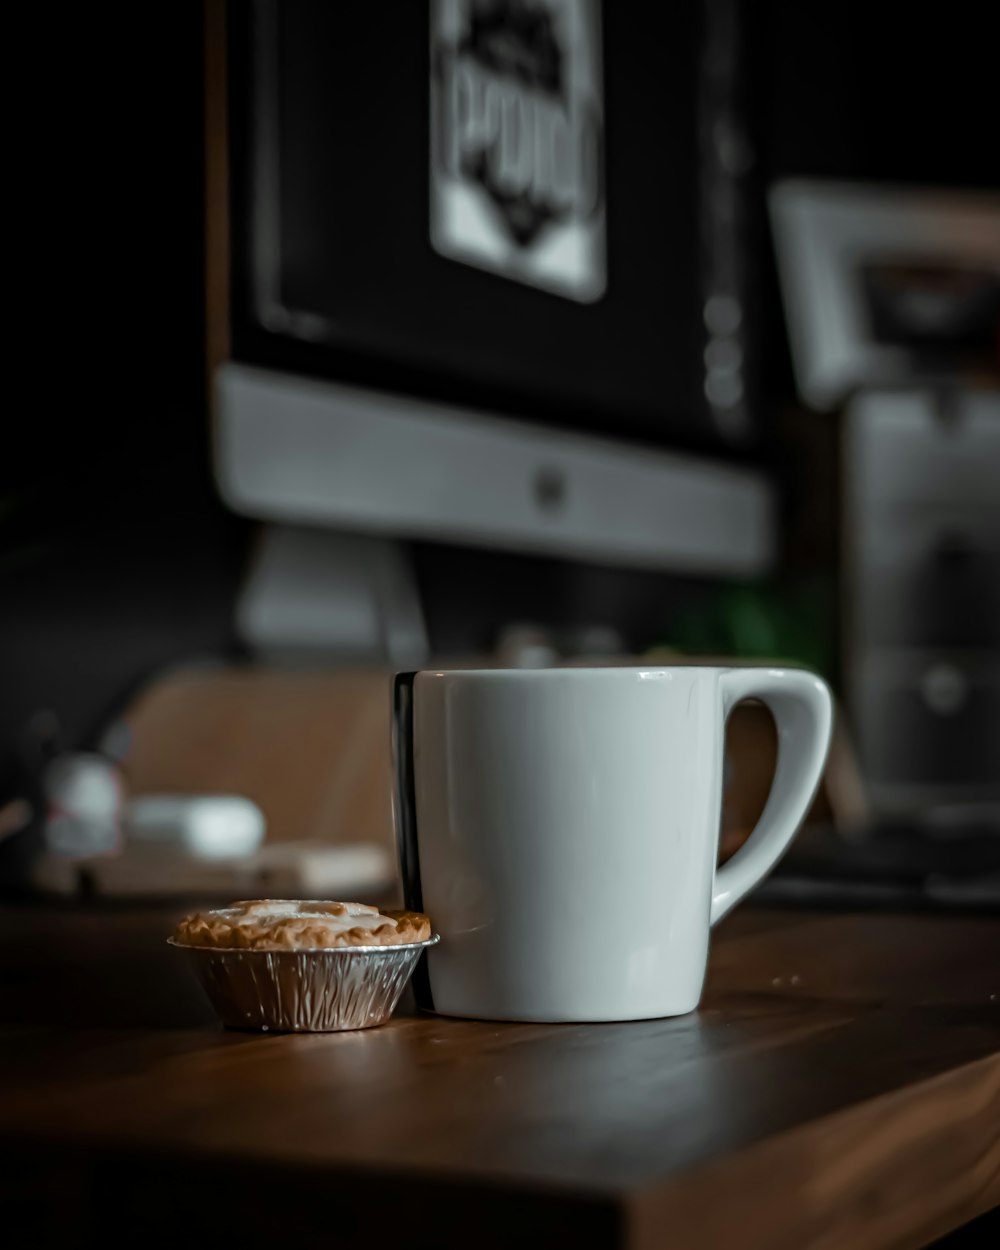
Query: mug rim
{"type": "Point", "coordinates": [604, 669]}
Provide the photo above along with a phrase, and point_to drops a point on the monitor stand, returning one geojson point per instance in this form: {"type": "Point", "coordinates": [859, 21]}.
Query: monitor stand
{"type": "Point", "coordinates": [316, 595]}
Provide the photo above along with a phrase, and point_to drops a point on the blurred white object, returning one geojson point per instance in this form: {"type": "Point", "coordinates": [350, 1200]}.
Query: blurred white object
{"type": "Point", "coordinates": [527, 646]}
{"type": "Point", "coordinates": [207, 826]}
{"type": "Point", "coordinates": [84, 801]}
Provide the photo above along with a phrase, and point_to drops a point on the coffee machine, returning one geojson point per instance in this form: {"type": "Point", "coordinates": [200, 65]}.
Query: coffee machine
{"type": "Point", "coordinates": [892, 299]}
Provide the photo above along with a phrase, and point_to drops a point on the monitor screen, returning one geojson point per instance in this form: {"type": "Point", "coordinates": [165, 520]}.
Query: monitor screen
{"type": "Point", "coordinates": [504, 203]}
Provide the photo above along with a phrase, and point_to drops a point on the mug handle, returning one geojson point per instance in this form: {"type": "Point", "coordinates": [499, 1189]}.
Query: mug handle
{"type": "Point", "coordinates": [802, 708]}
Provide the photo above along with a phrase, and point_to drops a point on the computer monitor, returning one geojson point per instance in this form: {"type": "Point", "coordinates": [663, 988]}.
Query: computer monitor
{"type": "Point", "coordinates": [478, 278]}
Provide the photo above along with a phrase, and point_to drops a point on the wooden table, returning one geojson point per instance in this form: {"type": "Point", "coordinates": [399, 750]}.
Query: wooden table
{"type": "Point", "coordinates": [840, 1086]}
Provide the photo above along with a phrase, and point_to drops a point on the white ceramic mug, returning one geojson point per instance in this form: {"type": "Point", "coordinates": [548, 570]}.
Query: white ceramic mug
{"type": "Point", "coordinates": [561, 828]}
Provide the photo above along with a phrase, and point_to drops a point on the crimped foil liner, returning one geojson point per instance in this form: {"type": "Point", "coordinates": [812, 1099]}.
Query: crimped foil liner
{"type": "Point", "coordinates": [314, 991]}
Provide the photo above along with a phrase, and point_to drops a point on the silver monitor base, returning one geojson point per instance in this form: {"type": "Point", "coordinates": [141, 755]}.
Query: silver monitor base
{"type": "Point", "coordinates": [316, 594]}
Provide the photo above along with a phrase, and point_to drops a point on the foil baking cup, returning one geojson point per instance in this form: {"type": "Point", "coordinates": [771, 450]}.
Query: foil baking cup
{"type": "Point", "coordinates": [310, 991]}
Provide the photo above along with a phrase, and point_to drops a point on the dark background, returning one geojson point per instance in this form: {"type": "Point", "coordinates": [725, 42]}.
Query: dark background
{"type": "Point", "coordinates": [117, 557]}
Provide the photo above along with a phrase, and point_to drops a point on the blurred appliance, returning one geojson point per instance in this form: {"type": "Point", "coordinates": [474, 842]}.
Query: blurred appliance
{"type": "Point", "coordinates": [893, 301]}
{"type": "Point", "coordinates": [477, 274]}
{"type": "Point", "coordinates": [922, 545]}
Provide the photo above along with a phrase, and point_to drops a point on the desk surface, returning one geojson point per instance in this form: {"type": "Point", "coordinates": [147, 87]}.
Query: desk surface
{"type": "Point", "coordinates": [839, 1086]}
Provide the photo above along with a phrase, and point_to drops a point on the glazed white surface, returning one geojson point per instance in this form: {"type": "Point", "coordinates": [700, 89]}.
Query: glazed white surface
{"type": "Point", "coordinates": [568, 822]}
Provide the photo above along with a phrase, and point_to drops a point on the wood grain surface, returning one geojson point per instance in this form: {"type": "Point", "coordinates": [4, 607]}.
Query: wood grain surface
{"type": "Point", "coordinates": [839, 1087]}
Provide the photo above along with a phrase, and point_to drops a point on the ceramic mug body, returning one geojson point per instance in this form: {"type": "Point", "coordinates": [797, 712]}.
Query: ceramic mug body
{"type": "Point", "coordinates": [561, 828]}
